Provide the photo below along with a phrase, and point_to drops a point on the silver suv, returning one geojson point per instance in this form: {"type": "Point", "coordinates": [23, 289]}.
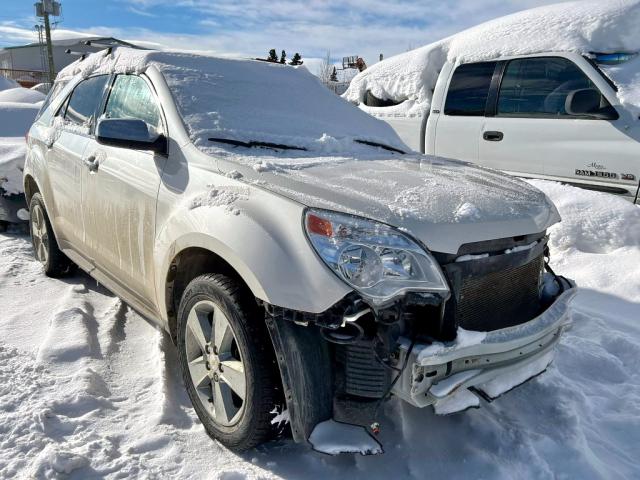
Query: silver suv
{"type": "Point", "coordinates": [298, 255]}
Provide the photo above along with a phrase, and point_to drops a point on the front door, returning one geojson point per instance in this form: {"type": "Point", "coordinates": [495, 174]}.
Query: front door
{"type": "Point", "coordinates": [120, 195]}
{"type": "Point", "coordinates": [71, 134]}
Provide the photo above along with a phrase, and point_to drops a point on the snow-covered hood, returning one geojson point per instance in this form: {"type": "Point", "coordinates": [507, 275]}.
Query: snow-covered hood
{"type": "Point", "coordinates": [443, 203]}
{"type": "Point", "coordinates": [582, 27]}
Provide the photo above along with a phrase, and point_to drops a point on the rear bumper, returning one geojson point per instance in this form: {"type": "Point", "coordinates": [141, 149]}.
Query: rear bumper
{"type": "Point", "coordinates": [491, 362]}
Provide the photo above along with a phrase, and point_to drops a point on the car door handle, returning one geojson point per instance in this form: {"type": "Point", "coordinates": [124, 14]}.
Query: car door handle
{"type": "Point", "coordinates": [493, 136]}
{"type": "Point", "coordinates": [91, 163]}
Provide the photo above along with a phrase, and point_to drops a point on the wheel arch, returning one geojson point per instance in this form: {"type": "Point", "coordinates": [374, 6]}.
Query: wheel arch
{"type": "Point", "coordinates": [30, 188]}
{"type": "Point", "coordinates": [192, 261]}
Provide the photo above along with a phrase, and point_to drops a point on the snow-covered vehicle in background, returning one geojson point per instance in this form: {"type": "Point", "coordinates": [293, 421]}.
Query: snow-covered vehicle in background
{"type": "Point", "coordinates": [550, 93]}
{"type": "Point", "coordinates": [18, 108]}
{"type": "Point", "coordinates": [294, 251]}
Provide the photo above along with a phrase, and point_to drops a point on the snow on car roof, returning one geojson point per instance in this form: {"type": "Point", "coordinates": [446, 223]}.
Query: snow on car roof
{"type": "Point", "coordinates": [248, 100]}
{"type": "Point", "coordinates": [583, 27]}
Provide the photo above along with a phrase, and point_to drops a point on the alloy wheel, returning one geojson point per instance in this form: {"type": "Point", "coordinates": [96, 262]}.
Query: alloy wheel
{"type": "Point", "coordinates": [39, 234]}
{"type": "Point", "coordinates": [215, 364]}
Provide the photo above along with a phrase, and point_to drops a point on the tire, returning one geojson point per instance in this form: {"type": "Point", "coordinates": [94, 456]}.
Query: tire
{"type": "Point", "coordinates": [213, 309]}
{"type": "Point", "coordinates": [45, 246]}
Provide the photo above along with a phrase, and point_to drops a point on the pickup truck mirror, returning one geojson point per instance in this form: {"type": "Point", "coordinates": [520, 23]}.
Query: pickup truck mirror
{"type": "Point", "coordinates": [130, 133]}
{"type": "Point", "coordinates": [587, 102]}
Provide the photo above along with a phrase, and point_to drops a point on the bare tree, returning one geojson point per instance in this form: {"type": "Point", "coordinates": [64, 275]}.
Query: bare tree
{"type": "Point", "coordinates": [326, 68]}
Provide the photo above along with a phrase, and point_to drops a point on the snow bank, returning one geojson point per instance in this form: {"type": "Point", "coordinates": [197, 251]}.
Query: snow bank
{"type": "Point", "coordinates": [16, 118]}
{"type": "Point", "coordinates": [21, 95]}
{"type": "Point", "coordinates": [15, 121]}
{"type": "Point", "coordinates": [18, 109]}
{"type": "Point", "coordinates": [248, 100]}
{"type": "Point", "coordinates": [12, 152]}
{"type": "Point", "coordinates": [582, 27]}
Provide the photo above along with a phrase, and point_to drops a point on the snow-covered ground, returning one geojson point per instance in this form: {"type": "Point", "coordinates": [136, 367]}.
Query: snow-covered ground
{"type": "Point", "coordinates": [89, 389]}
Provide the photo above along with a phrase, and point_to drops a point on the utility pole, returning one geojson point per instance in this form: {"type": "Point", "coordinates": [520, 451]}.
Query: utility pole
{"type": "Point", "coordinates": [44, 8]}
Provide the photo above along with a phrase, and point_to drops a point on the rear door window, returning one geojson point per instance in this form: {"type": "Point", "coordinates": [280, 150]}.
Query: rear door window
{"type": "Point", "coordinates": [469, 89]}
{"type": "Point", "coordinates": [85, 99]}
{"type": "Point", "coordinates": [538, 87]}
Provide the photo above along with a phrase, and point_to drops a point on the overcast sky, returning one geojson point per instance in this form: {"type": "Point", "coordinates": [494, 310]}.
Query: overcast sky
{"type": "Point", "coordinates": [250, 28]}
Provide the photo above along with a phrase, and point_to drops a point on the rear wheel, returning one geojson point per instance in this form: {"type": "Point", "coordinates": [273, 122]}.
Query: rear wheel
{"type": "Point", "coordinates": [226, 362]}
{"type": "Point", "coordinates": [45, 245]}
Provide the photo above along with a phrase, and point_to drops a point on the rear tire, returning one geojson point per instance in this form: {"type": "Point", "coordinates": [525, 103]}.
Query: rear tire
{"type": "Point", "coordinates": [227, 362]}
{"type": "Point", "coordinates": [45, 246]}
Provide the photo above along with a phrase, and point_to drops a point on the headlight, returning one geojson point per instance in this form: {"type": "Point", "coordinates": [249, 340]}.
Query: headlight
{"type": "Point", "coordinates": [378, 261]}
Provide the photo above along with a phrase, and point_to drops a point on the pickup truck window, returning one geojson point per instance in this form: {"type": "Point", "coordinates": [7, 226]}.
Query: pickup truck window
{"type": "Point", "coordinates": [539, 87]}
{"type": "Point", "coordinates": [131, 97]}
{"type": "Point", "coordinates": [85, 99]}
{"type": "Point", "coordinates": [468, 89]}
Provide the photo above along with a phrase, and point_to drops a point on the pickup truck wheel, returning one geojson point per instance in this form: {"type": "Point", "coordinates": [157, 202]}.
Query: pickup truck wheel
{"type": "Point", "coordinates": [45, 245]}
{"type": "Point", "coordinates": [225, 361]}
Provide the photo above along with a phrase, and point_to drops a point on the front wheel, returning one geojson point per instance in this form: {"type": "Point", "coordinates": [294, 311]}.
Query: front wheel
{"type": "Point", "coordinates": [227, 363]}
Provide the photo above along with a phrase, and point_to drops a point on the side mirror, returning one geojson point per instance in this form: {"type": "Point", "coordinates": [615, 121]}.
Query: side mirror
{"type": "Point", "coordinates": [586, 102]}
{"type": "Point", "coordinates": [130, 133]}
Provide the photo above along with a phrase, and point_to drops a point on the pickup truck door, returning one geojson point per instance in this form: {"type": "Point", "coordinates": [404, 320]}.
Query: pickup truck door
{"type": "Point", "coordinates": [532, 133]}
{"type": "Point", "coordinates": [459, 124]}
{"type": "Point", "coordinates": [69, 138]}
{"type": "Point", "coordinates": [120, 198]}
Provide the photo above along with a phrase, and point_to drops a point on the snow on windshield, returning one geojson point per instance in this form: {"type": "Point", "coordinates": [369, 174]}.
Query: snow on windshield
{"type": "Point", "coordinates": [583, 27]}
{"type": "Point", "coordinates": [248, 100]}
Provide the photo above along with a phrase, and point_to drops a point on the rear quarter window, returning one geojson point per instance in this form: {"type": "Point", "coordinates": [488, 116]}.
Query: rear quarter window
{"type": "Point", "coordinates": [469, 89]}
{"type": "Point", "coordinates": [46, 111]}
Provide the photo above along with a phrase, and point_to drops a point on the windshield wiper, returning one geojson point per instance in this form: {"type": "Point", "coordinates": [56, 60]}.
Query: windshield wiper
{"type": "Point", "coordinates": [381, 145]}
{"type": "Point", "coordinates": [254, 144]}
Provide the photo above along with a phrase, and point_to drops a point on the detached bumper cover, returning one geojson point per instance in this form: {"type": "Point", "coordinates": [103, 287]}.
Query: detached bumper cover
{"type": "Point", "coordinates": [492, 362]}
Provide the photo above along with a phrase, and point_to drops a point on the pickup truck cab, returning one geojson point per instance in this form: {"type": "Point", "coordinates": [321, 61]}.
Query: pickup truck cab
{"type": "Point", "coordinates": [552, 115]}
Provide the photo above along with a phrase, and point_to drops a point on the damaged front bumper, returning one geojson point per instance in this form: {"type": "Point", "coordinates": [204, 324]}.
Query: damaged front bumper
{"type": "Point", "coordinates": [489, 363]}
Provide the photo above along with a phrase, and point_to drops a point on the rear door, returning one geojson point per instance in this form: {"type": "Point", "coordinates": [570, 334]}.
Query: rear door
{"type": "Point", "coordinates": [539, 137]}
{"type": "Point", "coordinates": [459, 125]}
{"type": "Point", "coordinates": [122, 188]}
{"type": "Point", "coordinates": [70, 135]}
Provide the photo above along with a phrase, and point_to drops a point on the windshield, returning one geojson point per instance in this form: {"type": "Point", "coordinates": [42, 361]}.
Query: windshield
{"type": "Point", "coordinates": [231, 103]}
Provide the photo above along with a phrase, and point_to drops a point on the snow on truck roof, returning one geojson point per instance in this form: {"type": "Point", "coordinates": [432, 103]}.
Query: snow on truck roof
{"type": "Point", "coordinates": [582, 27]}
{"type": "Point", "coordinates": [248, 100]}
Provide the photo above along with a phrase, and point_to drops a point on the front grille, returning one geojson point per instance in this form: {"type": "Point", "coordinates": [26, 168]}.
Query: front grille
{"type": "Point", "coordinates": [500, 299]}
{"type": "Point", "coordinates": [495, 292]}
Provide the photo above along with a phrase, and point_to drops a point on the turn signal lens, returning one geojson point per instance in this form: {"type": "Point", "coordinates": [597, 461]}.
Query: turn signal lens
{"type": "Point", "coordinates": [319, 226]}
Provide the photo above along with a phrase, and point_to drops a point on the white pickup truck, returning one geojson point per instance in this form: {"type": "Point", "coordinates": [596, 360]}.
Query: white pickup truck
{"type": "Point", "coordinates": [552, 115]}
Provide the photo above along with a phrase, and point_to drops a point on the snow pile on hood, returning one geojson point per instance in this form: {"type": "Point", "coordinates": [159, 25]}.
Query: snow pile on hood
{"type": "Point", "coordinates": [6, 83]}
{"type": "Point", "coordinates": [583, 27]}
{"type": "Point", "coordinates": [21, 95]}
{"type": "Point", "coordinates": [248, 100]}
